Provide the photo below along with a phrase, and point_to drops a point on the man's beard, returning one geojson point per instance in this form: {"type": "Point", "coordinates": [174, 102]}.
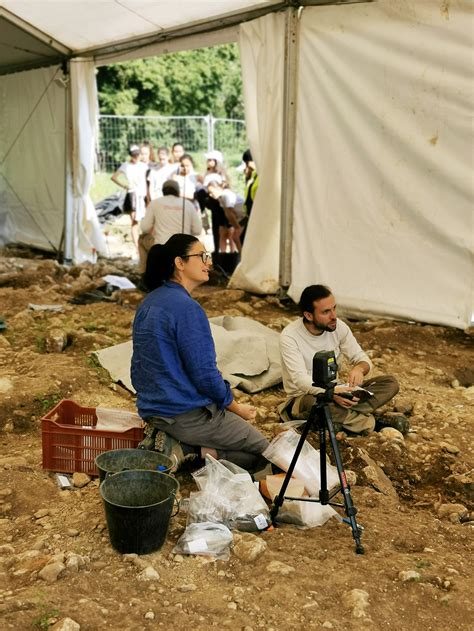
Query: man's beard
{"type": "Point", "coordinates": [325, 327]}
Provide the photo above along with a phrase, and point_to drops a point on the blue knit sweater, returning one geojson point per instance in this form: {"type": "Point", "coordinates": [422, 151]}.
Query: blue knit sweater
{"type": "Point", "coordinates": [174, 359]}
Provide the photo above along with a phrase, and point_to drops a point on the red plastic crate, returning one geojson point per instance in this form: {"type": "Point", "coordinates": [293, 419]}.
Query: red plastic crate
{"type": "Point", "coordinates": [71, 442]}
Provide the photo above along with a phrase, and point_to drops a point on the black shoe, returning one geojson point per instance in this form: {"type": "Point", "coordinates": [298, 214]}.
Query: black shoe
{"type": "Point", "coordinates": [391, 419]}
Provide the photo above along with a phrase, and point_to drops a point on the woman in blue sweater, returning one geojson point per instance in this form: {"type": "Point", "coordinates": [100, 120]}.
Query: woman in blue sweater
{"type": "Point", "coordinates": [179, 388]}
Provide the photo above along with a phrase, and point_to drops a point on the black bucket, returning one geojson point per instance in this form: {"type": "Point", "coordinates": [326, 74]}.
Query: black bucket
{"type": "Point", "coordinates": [138, 506]}
{"type": "Point", "coordinates": [125, 459]}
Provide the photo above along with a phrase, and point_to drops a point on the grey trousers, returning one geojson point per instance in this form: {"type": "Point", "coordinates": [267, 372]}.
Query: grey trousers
{"type": "Point", "coordinates": [231, 436]}
{"type": "Point", "coordinates": [358, 418]}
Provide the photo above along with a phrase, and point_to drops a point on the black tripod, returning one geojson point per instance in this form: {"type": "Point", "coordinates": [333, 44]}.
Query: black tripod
{"type": "Point", "coordinates": [320, 417]}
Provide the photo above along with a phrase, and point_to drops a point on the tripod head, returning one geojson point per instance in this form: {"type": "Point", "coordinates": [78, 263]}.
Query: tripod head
{"type": "Point", "coordinates": [324, 374]}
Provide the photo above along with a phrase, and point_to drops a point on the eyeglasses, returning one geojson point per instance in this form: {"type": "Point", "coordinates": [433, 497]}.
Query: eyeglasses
{"type": "Point", "coordinates": [206, 257]}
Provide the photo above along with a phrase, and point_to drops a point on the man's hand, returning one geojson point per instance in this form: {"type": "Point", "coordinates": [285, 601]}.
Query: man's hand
{"type": "Point", "coordinates": [357, 374]}
{"type": "Point", "coordinates": [247, 412]}
{"type": "Point", "coordinates": [342, 401]}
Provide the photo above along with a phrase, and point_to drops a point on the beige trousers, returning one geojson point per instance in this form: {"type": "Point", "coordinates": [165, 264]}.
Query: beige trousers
{"type": "Point", "coordinates": [145, 242]}
{"type": "Point", "coordinates": [357, 419]}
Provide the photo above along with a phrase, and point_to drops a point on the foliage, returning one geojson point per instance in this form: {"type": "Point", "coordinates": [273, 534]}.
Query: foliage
{"type": "Point", "coordinates": [48, 401]}
{"type": "Point", "coordinates": [188, 83]}
{"type": "Point", "coordinates": [46, 617]}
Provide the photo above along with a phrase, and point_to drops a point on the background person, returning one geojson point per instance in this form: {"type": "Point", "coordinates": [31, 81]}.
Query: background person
{"type": "Point", "coordinates": [161, 172]}
{"type": "Point", "coordinates": [166, 216]}
{"type": "Point", "coordinates": [186, 177]}
{"type": "Point", "coordinates": [179, 389]}
{"type": "Point", "coordinates": [320, 330]}
{"type": "Point", "coordinates": [230, 216]}
{"type": "Point", "coordinates": [131, 176]}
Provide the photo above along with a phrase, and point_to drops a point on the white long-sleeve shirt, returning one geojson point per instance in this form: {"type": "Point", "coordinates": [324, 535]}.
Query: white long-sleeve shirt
{"type": "Point", "coordinates": [298, 346]}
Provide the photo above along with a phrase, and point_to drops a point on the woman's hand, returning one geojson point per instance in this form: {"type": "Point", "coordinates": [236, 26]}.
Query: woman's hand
{"type": "Point", "coordinates": [247, 412]}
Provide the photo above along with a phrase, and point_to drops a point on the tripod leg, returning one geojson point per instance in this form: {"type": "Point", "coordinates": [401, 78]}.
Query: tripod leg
{"type": "Point", "coordinates": [279, 499]}
{"type": "Point", "coordinates": [351, 510]}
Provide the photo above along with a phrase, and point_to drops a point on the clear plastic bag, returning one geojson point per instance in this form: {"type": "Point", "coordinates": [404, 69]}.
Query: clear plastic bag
{"type": "Point", "coordinates": [281, 451]}
{"type": "Point", "coordinates": [205, 539]}
{"type": "Point", "coordinates": [304, 514]}
{"type": "Point", "coordinates": [227, 495]}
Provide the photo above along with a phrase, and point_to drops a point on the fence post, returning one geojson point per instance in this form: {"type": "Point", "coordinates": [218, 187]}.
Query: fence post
{"type": "Point", "coordinates": [210, 132]}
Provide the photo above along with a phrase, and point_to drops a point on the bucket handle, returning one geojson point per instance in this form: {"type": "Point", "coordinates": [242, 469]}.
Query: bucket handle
{"type": "Point", "coordinates": [176, 501]}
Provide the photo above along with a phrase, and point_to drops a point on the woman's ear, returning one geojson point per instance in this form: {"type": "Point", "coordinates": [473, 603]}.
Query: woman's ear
{"type": "Point", "coordinates": [179, 263]}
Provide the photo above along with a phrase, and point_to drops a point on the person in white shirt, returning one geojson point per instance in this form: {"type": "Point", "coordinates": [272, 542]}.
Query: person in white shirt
{"type": "Point", "coordinates": [132, 177]}
{"type": "Point", "coordinates": [160, 173]}
{"type": "Point", "coordinates": [321, 330]}
{"type": "Point", "coordinates": [232, 206]}
{"type": "Point", "coordinates": [186, 177]}
{"type": "Point", "coordinates": [165, 216]}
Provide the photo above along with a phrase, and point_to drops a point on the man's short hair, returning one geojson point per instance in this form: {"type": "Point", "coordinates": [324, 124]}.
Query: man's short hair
{"type": "Point", "coordinates": [171, 187]}
{"type": "Point", "coordinates": [311, 294]}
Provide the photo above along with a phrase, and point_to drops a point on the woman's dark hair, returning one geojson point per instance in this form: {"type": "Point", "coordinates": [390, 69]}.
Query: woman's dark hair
{"type": "Point", "coordinates": [186, 156]}
{"type": "Point", "coordinates": [311, 294]}
{"type": "Point", "coordinates": [160, 261]}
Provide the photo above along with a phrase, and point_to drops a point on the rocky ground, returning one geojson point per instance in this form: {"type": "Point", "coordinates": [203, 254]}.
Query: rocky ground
{"type": "Point", "coordinates": [415, 495]}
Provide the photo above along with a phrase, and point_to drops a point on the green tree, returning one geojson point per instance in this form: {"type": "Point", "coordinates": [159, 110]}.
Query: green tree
{"type": "Point", "coordinates": [189, 83]}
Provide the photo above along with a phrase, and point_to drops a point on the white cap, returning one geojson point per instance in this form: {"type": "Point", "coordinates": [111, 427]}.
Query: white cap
{"type": "Point", "coordinates": [241, 168]}
{"type": "Point", "coordinates": [215, 155]}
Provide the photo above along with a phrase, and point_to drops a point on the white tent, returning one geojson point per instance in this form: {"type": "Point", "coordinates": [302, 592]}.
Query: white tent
{"type": "Point", "coordinates": [359, 118]}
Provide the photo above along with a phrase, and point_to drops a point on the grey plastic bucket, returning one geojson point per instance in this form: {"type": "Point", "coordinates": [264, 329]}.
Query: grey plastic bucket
{"type": "Point", "coordinates": [125, 459]}
{"type": "Point", "coordinates": [138, 506]}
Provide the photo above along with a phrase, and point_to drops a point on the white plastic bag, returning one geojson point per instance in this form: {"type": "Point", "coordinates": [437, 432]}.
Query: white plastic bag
{"type": "Point", "coordinates": [281, 451]}
{"type": "Point", "coordinates": [227, 495]}
{"type": "Point", "coordinates": [304, 514]}
{"type": "Point", "coordinates": [205, 539]}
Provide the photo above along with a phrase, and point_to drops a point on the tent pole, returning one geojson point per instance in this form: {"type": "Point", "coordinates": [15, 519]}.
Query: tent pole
{"type": "Point", "coordinates": [68, 193]}
{"type": "Point", "coordinates": [290, 86]}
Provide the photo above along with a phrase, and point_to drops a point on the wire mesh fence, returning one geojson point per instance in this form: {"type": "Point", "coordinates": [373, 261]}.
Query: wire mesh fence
{"type": "Point", "coordinates": [198, 134]}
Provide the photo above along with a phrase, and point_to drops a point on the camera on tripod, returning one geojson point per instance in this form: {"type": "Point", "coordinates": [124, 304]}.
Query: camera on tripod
{"type": "Point", "coordinates": [324, 369]}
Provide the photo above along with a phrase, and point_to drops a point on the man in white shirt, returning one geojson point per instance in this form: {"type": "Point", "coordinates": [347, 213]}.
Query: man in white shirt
{"type": "Point", "coordinates": [320, 330]}
{"type": "Point", "coordinates": [166, 216]}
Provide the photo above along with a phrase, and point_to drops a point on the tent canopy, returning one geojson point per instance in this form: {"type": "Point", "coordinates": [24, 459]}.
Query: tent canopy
{"type": "Point", "coordinates": [358, 114]}
{"type": "Point", "coordinates": [38, 33]}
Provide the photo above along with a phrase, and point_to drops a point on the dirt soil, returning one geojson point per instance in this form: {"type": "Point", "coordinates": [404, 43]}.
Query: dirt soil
{"type": "Point", "coordinates": [415, 496]}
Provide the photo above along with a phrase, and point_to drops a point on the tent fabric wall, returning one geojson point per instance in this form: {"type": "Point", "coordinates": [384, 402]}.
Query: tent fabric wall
{"type": "Point", "coordinates": [32, 148]}
{"type": "Point", "coordinates": [382, 209]}
{"type": "Point", "coordinates": [86, 234]}
{"type": "Point", "coordinates": [262, 58]}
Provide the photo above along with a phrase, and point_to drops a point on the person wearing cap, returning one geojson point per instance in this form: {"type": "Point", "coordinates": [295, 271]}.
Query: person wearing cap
{"type": "Point", "coordinates": [166, 216]}
{"type": "Point", "coordinates": [131, 176]}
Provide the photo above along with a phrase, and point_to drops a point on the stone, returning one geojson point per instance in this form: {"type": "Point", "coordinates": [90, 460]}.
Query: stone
{"type": "Point", "coordinates": [357, 600]}
{"type": "Point", "coordinates": [72, 532]}
{"type": "Point", "coordinates": [248, 547]}
{"type": "Point", "coordinates": [351, 477]}
{"type": "Point", "coordinates": [390, 433]}
{"type": "Point", "coordinates": [80, 480]}
{"type": "Point", "coordinates": [446, 510]}
{"type": "Point", "coordinates": [5, 384]}
{"type": "Point", "coordinates": [462, 483]}
{"type": "Point", "coordinates": [66, 624]}
{"type": "Point", "coordinates": [376, 478]}
{"type": "Point", "coordinates": [13, 461]}
{"type": "Point", "coordinates": [409, 576]}
{"type": "Point", "coordinates": [41, 513]}
{"type": "Point", "coordinates": [277, 567]}
{"type": "Point", "coordinates": [449, 448]}
{"type": "Point", "coordinates": [149, 574]}
{"type": "Point", "coordinates": [149, 615]}
{"type": "Point", "coordinates": [51, 572]}
{"type": "Point", "coordinates": [56, 341]}
{"type": "Point", "coordinates": [190, 587]}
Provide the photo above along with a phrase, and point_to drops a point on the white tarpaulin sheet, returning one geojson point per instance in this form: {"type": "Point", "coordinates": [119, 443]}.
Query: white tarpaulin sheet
{"type": "Point", "coordinates": [383, 195]}
{"type": "Point", "coordinates": [247, 354]}
{"type": "Point", "coordinates": [32, 157]}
